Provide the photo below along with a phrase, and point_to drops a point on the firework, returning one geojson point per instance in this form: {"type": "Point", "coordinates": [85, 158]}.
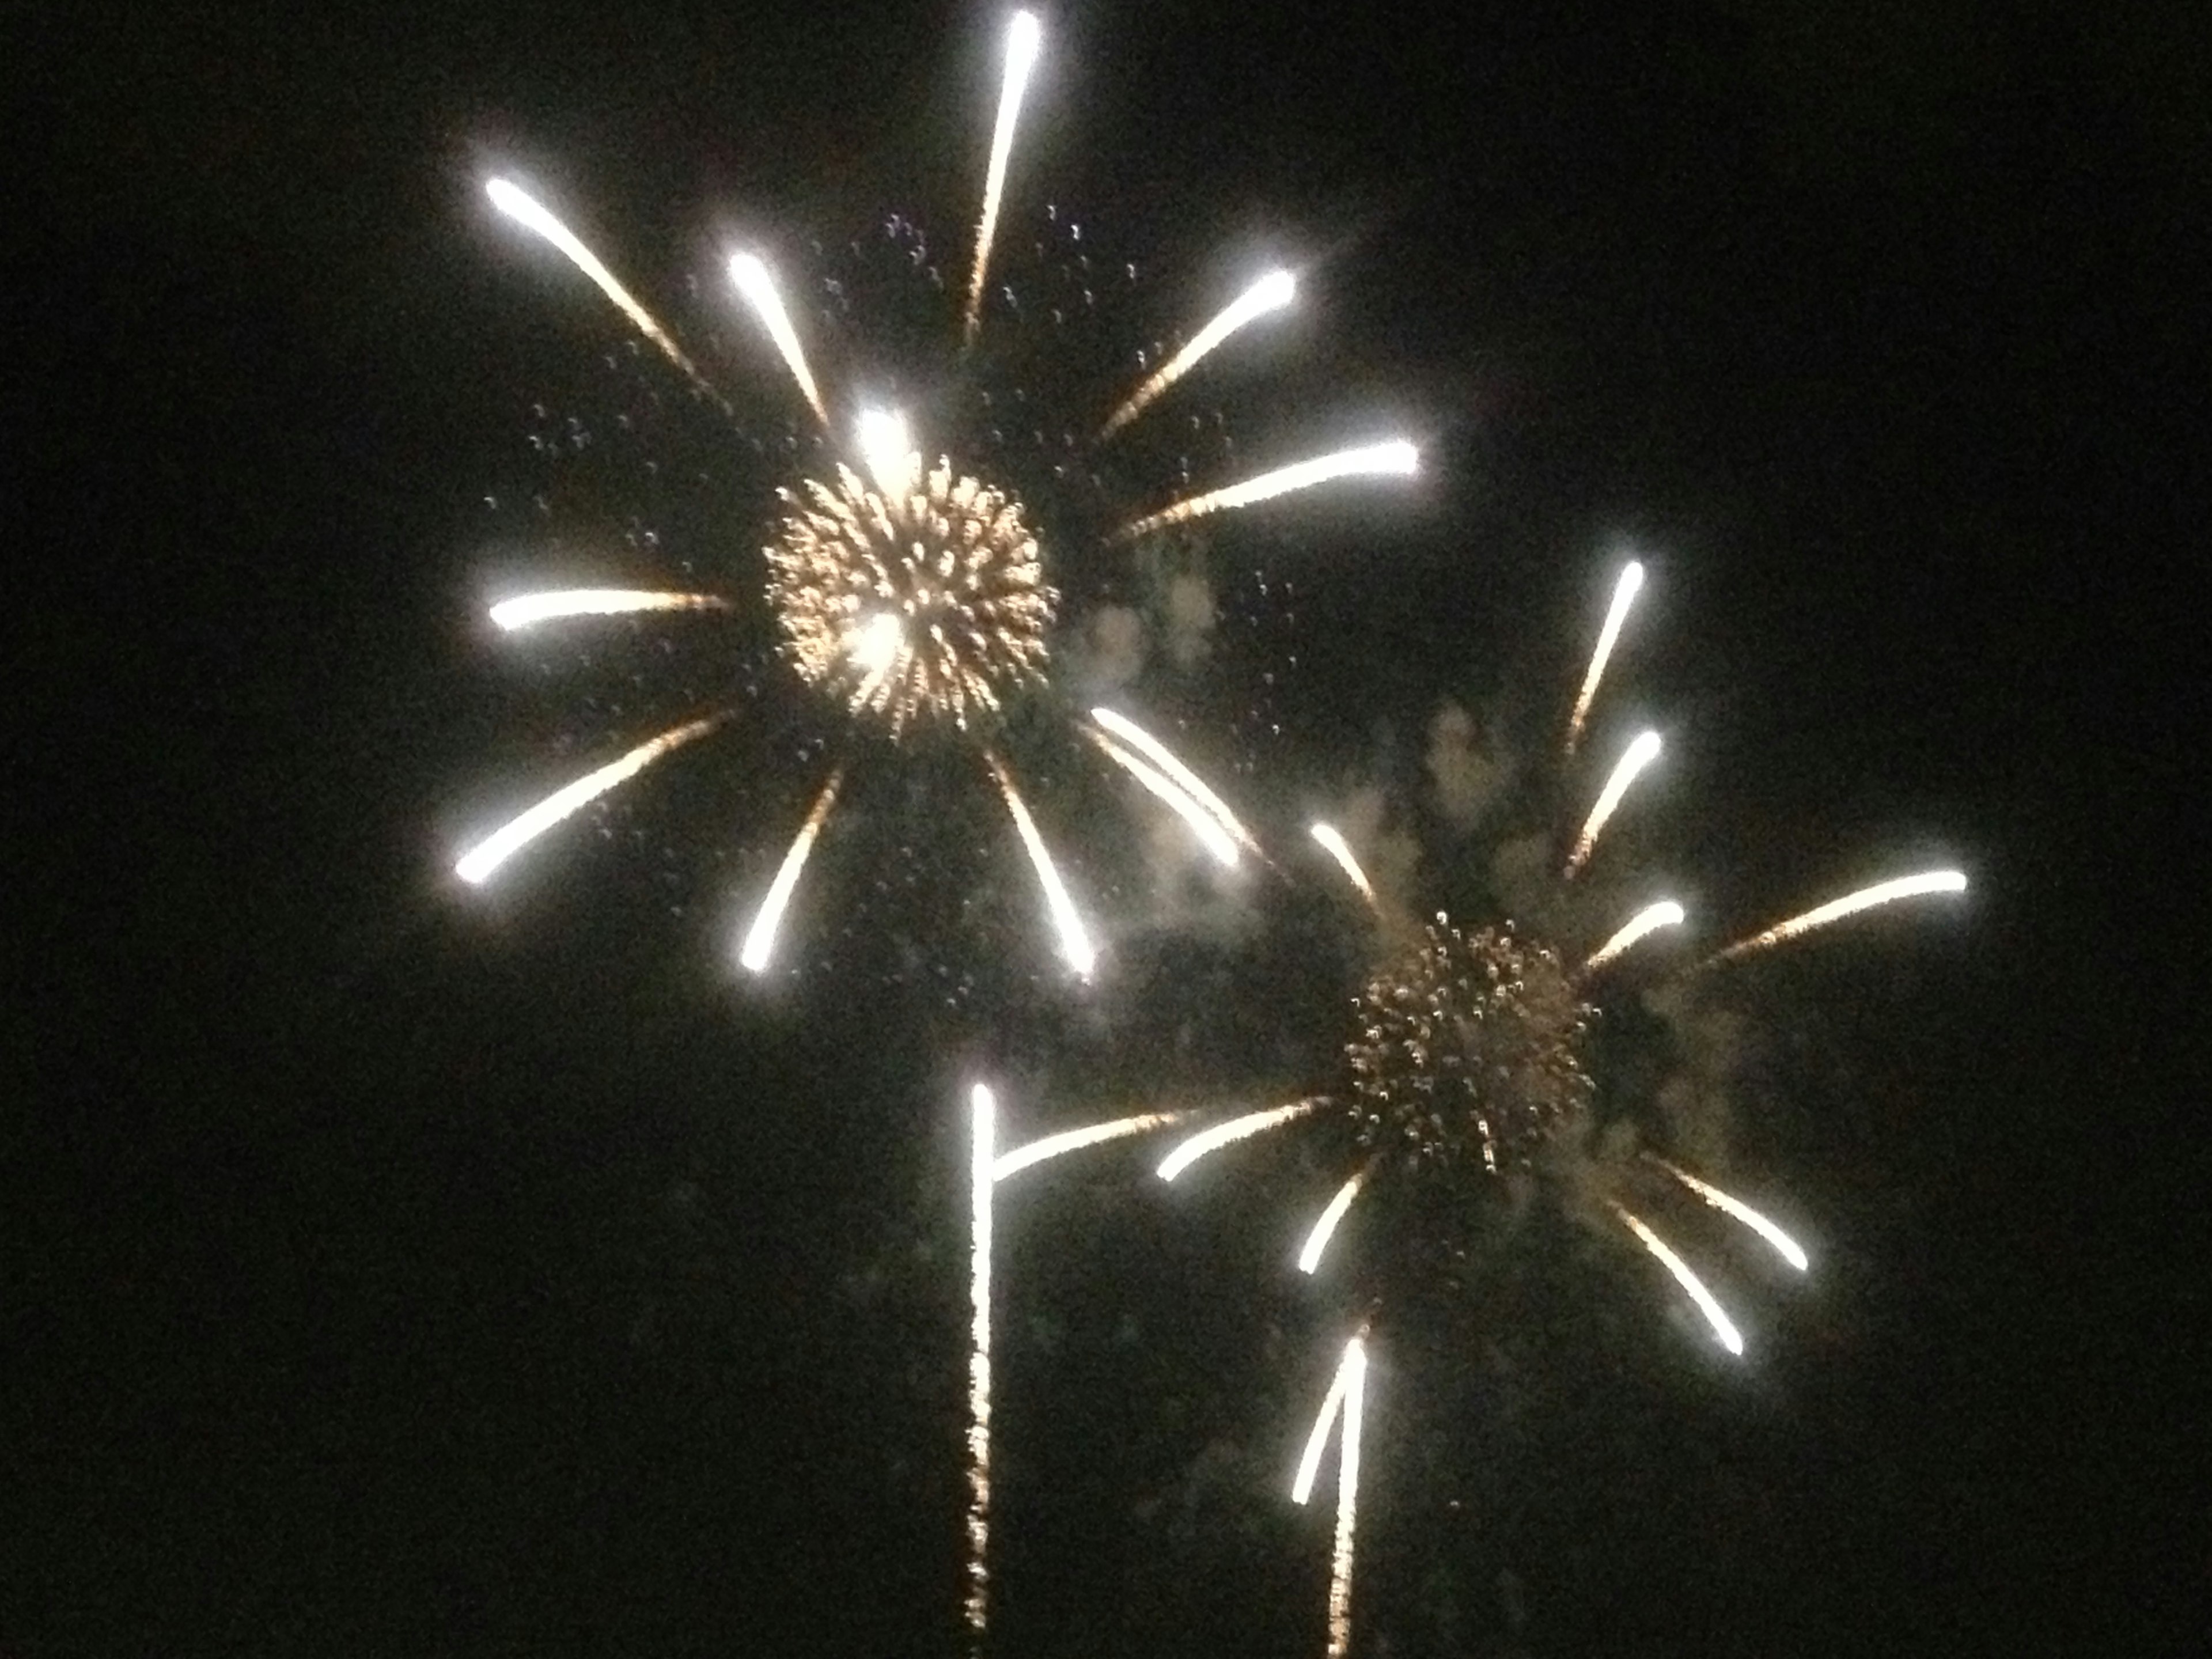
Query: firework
{"type": "Point", "coordinates": [1639, 755]}
{"type": "Point", "coordinates": [1271, 293]}
{"type": "Point", "coordinates": [1237, 1128]}
{"type": "Point", "coordinates": [1338, 848]}
{"type": "Point", "coordinates": [1023, 40]}
{"type": "Point", "coordinates": [759, 938]}
{"type": "Point", "coordinates": [1175, 798]}
{"type": "Point", "coordinates": [1624, 595]}
{"type": "Point", "coordinates": [1867, 898]}
{"type": "Point", "coordinates": [1641, 924]}
{"type": "Point", "coordinates": [1072, 1141]}
{"type": "Point", "coordinates": [1724, 1330]}
{"type": "Point", "coordinates": [981, 1176]}
{"type": "Point", "coordinates": [1371, 460]}
{"type": "Point", "coordinates": [1784, 1246]}
{"type": "Point", "coordinates": [528, 609]}
{"type": "Point", "coordinates": [1074, 943]}
{"type": "Point", "coordinates": [750, 273]}
{"type": "Point", "coordinates": [1325, 1228]}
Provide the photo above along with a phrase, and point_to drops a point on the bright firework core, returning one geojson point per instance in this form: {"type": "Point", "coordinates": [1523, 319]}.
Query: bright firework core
{"type": "Point", "coordinates": [920, 599]}
{"type": "Point", "coordinates": [1469, 1048]}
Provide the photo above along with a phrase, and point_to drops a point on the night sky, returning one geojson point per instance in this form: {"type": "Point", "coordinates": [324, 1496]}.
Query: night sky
{"type": "Point", "coordinates": [387, 1268]}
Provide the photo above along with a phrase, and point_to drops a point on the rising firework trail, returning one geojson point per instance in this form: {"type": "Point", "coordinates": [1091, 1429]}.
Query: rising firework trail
{"type": "Point", "coordinates": [1271, 293]}
{"type": "Point", "coordinates": [1641, 924]}
{"type": "Point", "coordinates": [1347, 1399]}
{"type": "Point", "coordinates": [1867, 898]}
{"type": "Point", "coordinates": [1373, 460]}
{"type": "Point", "coordinates": [759, 938]}
{"type": "Point", "coordinates": [1023, 38]}
{"type": "Point", "coordinates": [750, 273]}
{"type": "Point", "coordinates": [981, 1175]}
{"type": "Point", "coordinates": [1337, 848]}
{"type": "Point", "coordinates": [1624, 595]}
{"type": "Point", "coordinates": [1639, 755]}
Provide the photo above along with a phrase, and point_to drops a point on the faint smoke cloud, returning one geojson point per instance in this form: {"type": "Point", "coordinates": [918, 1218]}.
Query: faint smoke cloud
{"type": "Point", "coordinates": [1189, 620]}
{"type": "Point", "coordinates": [1468, 772]}
{"type": "Point", "coordinates": [1111, 649]}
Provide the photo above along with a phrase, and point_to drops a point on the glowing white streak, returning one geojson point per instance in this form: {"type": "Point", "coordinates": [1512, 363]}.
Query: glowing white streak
{"type": "Point", "coordinates": [1624, 595]}
{"type": "Point", "coordinates": [1886, 892]}
{"type": "Point", "coordinates": [750, 273]}
{"type": "Point", "coordinates": [1325, 1228]}
{"type": "Point", "coordinates": [1074, 943]}
{"type": "Point", "coordinates": [887, 453]}
{"type": "Point", "coordinates": [525, 209]}
{"type": "Point", "coordinates": [1396, 456]}
{"type": "Point", "coordinates": [1021, 43]}
{"type": "Point", "coordinates": [979, 1178]}
{"type": "Point", "coordinates": [1641, 753]}
{"type": "Point", "coordinates": [477, 865]}
{"type": "Point", "coordinates": [1070, 1140]}
{"type": "Point", "coordinates": [1159, 754]}
{"type": "Point", "coordinates": [1340, 850]}
{"type": "Point", "coordinates": [1271, 293]}
{"type": "Point", "coordinates": [759, 938]}
{"type": "Point", "coordinates": [1237, 1128]}
{"type": "Point", "coordinates": [875, 644]}
{"type": "Point", "coordinates": [1784, 1246]}
{"type": "Point", "coordinates": [1645, 922]}
{"type": "Point", "coordinates": [1317, 1441]}
{"type": "Point", "coordinates": [1347, 1500]}
{"type": "Point", "coordinates": [1177, 799]}
{"type": "Point", "coordinates": [527, 610]}
{"type": "Point", "coordinates": [1725, 1329]}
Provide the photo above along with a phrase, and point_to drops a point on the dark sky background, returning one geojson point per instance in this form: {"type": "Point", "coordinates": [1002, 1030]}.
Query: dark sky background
{"type": "Point", "coordinates": [386, 1272]}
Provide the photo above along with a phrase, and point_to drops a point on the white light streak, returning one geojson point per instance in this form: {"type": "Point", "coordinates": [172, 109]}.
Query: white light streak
{"type": "Point", "coordinates": [1724, 1330]}
{"type": "Point", "coordinates": [528, 609]}
{"type": "Point", "coordinates": [1624, 595]}
{"type": "Point", "coordinates": [1886, 892]}
{"type": "Point", "coordinates": [1221, 1134]}
{"type": "Point", "coordinates": [476, 866]}
{"type": "Point", "coordinates": [1396, 456]}
{"type": "Point", "coordinates": [1645, 922]}
{"type": "Point", "coordinates": [1159, 754]}
{"type": "Point", "coordinates": [1784, 1246]}
{"type": "Point", "coordinates": [759, 938]}
{"type": "Point", "coordinates": [1074, 943]}
{"type": "Point", "coordinates": [1640, 754]}
{"type": "Point", "coordinates": [1023, 40]}
{"type": "Point", "coordinates": [750, 273]}
{"type": "Point", "coordinates": [1339, 849]}
{"type": "Point", "coordinates": [1347, 1499]}
{"type": "Point", "coordinates": [1317, 1441]}
{"type": "Point", "coordinates": [1177, 801]}
{"type": "Point", "coordinates": [889, 454]}
{"type": "Point", "coordinates": [979, 1177]}
{"type": "Point", "coordinates": [1325, 1228]}
{"type": "Point", "coordinates": [1271, 293]}
{"type": "Point", "coordinates": [1070, 1140]}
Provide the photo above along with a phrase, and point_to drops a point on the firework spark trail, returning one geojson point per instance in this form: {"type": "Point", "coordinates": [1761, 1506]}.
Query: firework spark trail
{"type": "Point", "coordinates": [1624, 596]}
{"type": "Point", "coordinates": [981, 1176]}
{"type": "Point", "coordinates": [759, 938]}
{"type": "Point", "coordinates": [477, 865]}
{"type": "Point", "coordinates": [889, 453]}
{"type": "Point", "coordinates": [1074, 943]}
{"type": "Point", "coordinates": [1237, 1128]}
{"type": "Point", "coordinates": [750, 274]}
{"type": "Point", "coordinates": [1347, 1499]}
{"type": "Point", "coordinates": [1645, 922]}
{"type": "Point", "coordinates": [1886, 892]}
{"type": "Point", "coordinates": [528, 609]}
{"type": "Point", "coordinates": [1395, 457]}
{"type": "Point", "coordinates": [1317, 1441]}
{"type": "Point", "coordinates": [1021, 43]}
{"type": "Point", "coordinates": [1271, 293]}
{"type": "Point", "coordinates": [525, 209]}
{"type": "Point", "coordinates": [1176, 798]}
{"type": "Point", "coordinates": [1640, 754]}
{"type": "Point", "coordinates": [1784, 1246]}
{"type": "Point", "coordinates": [1325, 1228]}
{"type": "Point", "coordinates": [1339, 849]}
{"type": "Point", "coordinates": [1725, 1329]}
{"type": "Point", "coordinates": [1070, 1140]}
{"type": "Point", "coordinates": [1159, 754]}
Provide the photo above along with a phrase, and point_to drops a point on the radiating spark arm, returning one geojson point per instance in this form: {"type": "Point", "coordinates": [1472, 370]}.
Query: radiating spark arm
{"type": "Point", "coordinates": [1317, 1441]}
{"type": "Point", "coordinates": [525, 209]}
{"type": "Point", "coordinates": [1160, 755]}
{"type": "Point", "coordinates": [1021, 43]}
{"type": "Point", "coordinates": [1324, 1229]}
{"type": "Point", "coordinates": [1645, 922]}
{"type": "Point", "coordinates": [477, 865]}
{"type": "Point", "coordinates": [1640, 754]}
{"type": "Point", "coordinates": [1339, 849]}
{"type": "Point", "coordinates": [1271, 293]}
{"type": "Point", "coordinates": [981, 1176]}
{"type": "Point", "coordinates": [1886, 892]}
{"type": "Point", "coordinates": [528, 609]}
{"type": "Point", "coordinates": [1349, 1393]}
{"type": "Point", "coordinates": [1724, 1330]}
{"type": "Point", "coordinates": [750, 273]}
{"type": "Point", "coordinates": [1189, 1151]}
{"type": "Point", "coordinates": [1624, 595]}
{"type": "Point", "coordinates": [1396, 456]}
{"type": "Point", "coordinates": [1784, 1246]}
{"type": "Point", "coordinates": [1074, 943]}
{"type": "Point", "coordinates": [1070, 1140]}
{"type": "Point", "coordinates": [1177, 799]}
{"type": "Point", "coordinates": [759, 938]}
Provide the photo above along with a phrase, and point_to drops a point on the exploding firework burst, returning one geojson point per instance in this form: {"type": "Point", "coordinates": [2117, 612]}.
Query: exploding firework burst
{"type": "Point", "coordinates": [913, 594]}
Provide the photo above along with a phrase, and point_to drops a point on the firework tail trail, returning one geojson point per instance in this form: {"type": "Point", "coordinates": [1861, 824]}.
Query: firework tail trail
{"type": "Point", "coordinates": [1784, 1246]}
{"type": "Point", "coordinates": [1641, 926]}
{"type": "Point", "coordinates": [1624, 595]}
{"type": "Point", "coordinates": [1188, 1152]}
{"type": "Point", "coordinates": [1074, 943]}
{"type": "Point", "coordinates": [528, 609]}
{"type": "Point", "coordinates": [1867, 898]}
{"type": "Point", "coordinates": [759, 938]}
{"type": "Point", "coordinates": [1177, 800]}
{"type": "Point", "coordinates": [1324, 1229]}
{"type": "Point", "coordinates": [1317, 1440]}
{"type": "Point", "coordinates": [979, 1177]}
{"type": "Point", "coordinates": [1639, 754]}
{"type": "Point", "coordinates": [1271, 293]}
{"type": "Point", "coordinates": [1369, 461]}
{"type": "Point", "coordinates": [1070, 1140]}
{"type": "Point", "coordinates": [1022, 42]}
{"type": "Point", "coordinates": [1347, 1395]}
{"type": "Point", "coordinates": [525, 209]}
{"type": "Point", "coordinates": [476, 866]}
{"type": "Point", "coordinates": [1337, 848]}
{"type": "Point", "coordinates": [1160, 755]}
{"type": "Point", "coordinates": [1724, 1330]}
{"type": "Point", "coordinates": [750, 274]}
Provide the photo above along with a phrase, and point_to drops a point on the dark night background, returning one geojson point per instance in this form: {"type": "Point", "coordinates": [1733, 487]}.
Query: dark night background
{"type": "Point", "coordinates": [382, 1274]}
